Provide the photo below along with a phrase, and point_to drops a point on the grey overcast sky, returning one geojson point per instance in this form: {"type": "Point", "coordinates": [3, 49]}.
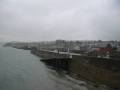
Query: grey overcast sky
{"type": "Point", "coordinates": [38, 20]}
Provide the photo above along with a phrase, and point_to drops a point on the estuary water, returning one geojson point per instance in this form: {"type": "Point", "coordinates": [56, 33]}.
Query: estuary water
{"type": "Point", "coordinates": [20, 70]}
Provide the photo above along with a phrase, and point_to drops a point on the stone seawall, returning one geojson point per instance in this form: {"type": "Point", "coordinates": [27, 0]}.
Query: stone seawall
{"type": "Point", "coordinates": [98, 70]}
{"type": "Point", "coordinates": [58, 64]}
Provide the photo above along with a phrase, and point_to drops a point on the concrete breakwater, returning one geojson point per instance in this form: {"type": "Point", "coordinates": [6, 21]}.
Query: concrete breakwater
{"type": "Point", "coordinates": [48, 55]}
{"type": "Point", "coordinates": [101, 71]}
{"type": "Point", "coordinates": [57, 61]}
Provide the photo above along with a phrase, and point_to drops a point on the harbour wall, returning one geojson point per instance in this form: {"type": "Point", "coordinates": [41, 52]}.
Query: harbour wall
{"type": "Point", "coordinates": [101, 71]}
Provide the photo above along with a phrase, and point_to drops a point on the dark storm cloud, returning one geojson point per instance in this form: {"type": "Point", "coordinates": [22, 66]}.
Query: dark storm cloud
{"type": "Point", "coordinates": [36, 20]}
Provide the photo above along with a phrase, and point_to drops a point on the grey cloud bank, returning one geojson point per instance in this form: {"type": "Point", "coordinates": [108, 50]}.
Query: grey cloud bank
{"type": "Point", "coordinates": [38, 20]}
